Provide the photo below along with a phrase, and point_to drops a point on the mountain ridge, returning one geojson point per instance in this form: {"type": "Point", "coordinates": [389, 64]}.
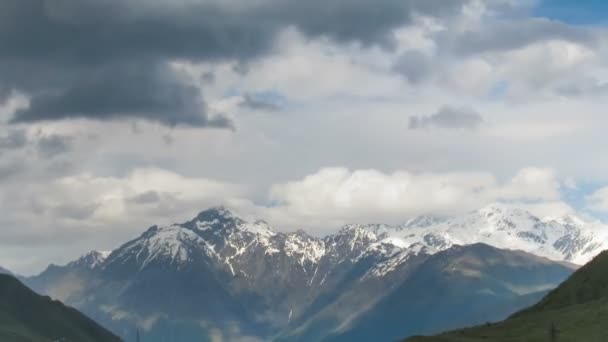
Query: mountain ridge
{"type": "Point", "coordinates": [249, 272]}
{"type": "Point", "coordinates": [574, 311]}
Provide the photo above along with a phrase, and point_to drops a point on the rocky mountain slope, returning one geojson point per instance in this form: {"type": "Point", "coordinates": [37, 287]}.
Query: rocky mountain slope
{"type": "Point", "coordinates": [219, 274]}
{"type": "Point", "coordinates": [574, 311]}
{"type": "Point", "coordinates": [457, 287]}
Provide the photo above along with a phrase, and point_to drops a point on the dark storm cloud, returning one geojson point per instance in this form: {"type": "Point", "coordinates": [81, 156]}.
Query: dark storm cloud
{"type": "Point", "coordinates": [448, 117]}
{"type": "Point", "coordinates": [149, 92]}
{"type": "Point", "coordinates": [109, 59]}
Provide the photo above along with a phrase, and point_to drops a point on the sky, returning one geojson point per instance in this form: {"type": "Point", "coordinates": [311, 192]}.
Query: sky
{"type": "Point", "coordinates": [118, 115]}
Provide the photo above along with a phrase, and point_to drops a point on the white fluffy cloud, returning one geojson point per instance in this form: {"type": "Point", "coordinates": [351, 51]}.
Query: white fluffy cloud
{"type": "Point", "coordinates": [338, 195]}
{"type": "Point", "coordinates": [89, 207]}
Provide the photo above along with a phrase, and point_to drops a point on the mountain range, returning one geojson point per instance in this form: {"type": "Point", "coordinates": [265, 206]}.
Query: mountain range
{"type": "Point", "coordinates": [219, 277]}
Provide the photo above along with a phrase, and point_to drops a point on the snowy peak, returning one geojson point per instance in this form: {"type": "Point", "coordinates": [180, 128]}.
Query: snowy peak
{"type": "Point", "coordinates": [216, 235]}
{"type": "Point", "coordinates": [175, 245]}
{"type": "Point", "coordinates": [304, 247]}
{"type": "Point", "coordinates": [90, 260]}
{"type": "Point", "coordinates": [567, 220]}
{"type": "Point", "coordinates": [565, 239]}
{"type": "Point", "coordinates": [423, 221]}
{"type": "Point", "coordinates": [221, 238]}
{"type": "Point", "coordinates": [503, 217]}
{"type": "Point", "coordinates": [216, 218]}
{"type": "Point", "coordinates": [364, 233]}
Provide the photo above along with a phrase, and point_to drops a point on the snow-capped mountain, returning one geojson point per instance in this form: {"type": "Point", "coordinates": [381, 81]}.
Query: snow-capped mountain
{"type": "Point", "coordinates": [90, 260]}
{"type": "Point", "coordinates": [564, 239]}
{"type": "Point", "coordinates": [270, 281]}
{"type": "Point", "coordinates": [228, 240]}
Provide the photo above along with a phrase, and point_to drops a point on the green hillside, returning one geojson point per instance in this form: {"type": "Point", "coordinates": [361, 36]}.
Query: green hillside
{"type": "Point", "coordinates": [576, 311]}
{"type": "Point", "coordinates": [28, 317]}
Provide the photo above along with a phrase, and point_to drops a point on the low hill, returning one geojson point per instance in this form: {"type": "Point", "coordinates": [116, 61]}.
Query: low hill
{"type": "Point", "coordinates": [28, 317]}
{"type": "Point", "coordinates": [575, 311]}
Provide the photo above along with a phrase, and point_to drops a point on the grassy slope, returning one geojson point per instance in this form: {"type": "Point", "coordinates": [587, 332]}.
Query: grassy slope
{"type": "Point", "coordinates": [26, 316]}
{"type": "Point", "coordinates": [578, 309]}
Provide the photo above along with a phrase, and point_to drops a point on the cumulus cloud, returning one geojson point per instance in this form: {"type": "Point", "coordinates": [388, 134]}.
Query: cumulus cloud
{"type": "Point", "coordinates": [448, 117]}
{"type": "Point", "coordinates": [339, 195]}
{"type": "Point", "coordinates": [84, 206]}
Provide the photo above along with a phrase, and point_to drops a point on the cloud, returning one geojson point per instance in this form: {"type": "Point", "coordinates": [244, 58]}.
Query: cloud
{"type": "Point", "coordinates": [415, 66]}
{"type": "Point", "coordinates": [338, 195]}
{"type": "Point", "coordinates": [168, 139]}
{"type": "Point", "coordinates": [145, 91]}
{"type": "Point", "coordinates": [54, 144]}
{"type": "Point", "coordinates": [83, 206]}
{"type": "Point", "coordinates": [448, 117]}
{"type": "Point", "coordinates": [110, 60]}
{"type": "Point", "coordinates": [13, 139]}
{"type": "Point", "coordinates": [261, 102]}
{"type": "Point", "coordinates": [505, 35]}
{"type": "Point", "coordinates": [47, 145]}
{"type": "Point", "coordinates": [146, 197]}
{"type": "Point", "coordinates": [11, 167]}
{"type": "Point", "coordinates": [598, 200]}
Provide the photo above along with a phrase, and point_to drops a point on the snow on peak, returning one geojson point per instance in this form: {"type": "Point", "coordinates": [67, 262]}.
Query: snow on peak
{"type": "Point", "coordinates": [219, 214]}
{"type": "Point", "coordinates": [501, 226]}
{"type": "Point", "coordinates": [391, 253]}
{"type": "Point", "coordinates": [502, 210]}
{"type": "Point", "coordinates": [104, 254]}
{"type": "Point", "coordinates": [172, 243]}
{"type": "Point", "coordinates": [370, 232]}
{"type": "Point", "coordinates": [219, 234]}
{"type": "Point", "coordinates": [566, 220]}
{"type": "Point", "coordinates": [91, 260]}
{"type": "Point", "coordinates": [259, 227]}
{"type": "Point", "coordinates": [304, 247]}
{"type": "Point", "coordinates": [423, 221]}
